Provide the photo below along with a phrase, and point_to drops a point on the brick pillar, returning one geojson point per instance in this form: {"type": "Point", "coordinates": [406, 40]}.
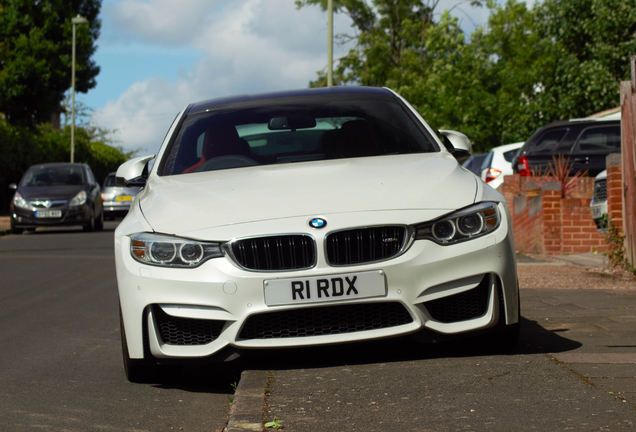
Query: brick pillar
{"type": "Point", "coordinates": [510, 188]}
{"type": "Point", "coordinates": [551, 208]}
{"type": "Point", "coordinates": [579, 233]}
{"type": "Point", "coordinates": [615, 189]}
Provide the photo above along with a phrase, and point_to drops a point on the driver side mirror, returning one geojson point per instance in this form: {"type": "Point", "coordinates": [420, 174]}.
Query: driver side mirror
{"type": "Point", "coordinates": [457, 143]}
{"type": "Point", "coordinates": [134, 172]}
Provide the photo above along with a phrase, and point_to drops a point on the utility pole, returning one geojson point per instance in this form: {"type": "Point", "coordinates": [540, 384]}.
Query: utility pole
{"type": "Point", "coordinates": [330, 43]}
{"type": "Point", "coordinates": [76, 20]}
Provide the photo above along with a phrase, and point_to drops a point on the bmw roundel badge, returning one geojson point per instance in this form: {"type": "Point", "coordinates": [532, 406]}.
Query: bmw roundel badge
{"type": "Point", "coordinates": [317, 223]}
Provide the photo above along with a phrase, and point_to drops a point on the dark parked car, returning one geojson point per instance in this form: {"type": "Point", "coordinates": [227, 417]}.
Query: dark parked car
{"type": "Point", "coordinates": [57, 194]}
{"type": "Point", "coordinates": [117, 198]}
{"type": "Point", "coordinates": [586, 142]}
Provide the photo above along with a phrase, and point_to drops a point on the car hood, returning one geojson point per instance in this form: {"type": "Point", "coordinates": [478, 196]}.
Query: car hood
{"type": "Point", "coordinates": [190, 202]}
{"type": "Point", "coordinates": [62, 192]}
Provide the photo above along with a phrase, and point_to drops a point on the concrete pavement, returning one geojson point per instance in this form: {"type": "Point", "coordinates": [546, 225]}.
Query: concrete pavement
{"type": "Point", "coordinates": [584, 337]}
{"type": "Point", "coordinates": [5, 224]}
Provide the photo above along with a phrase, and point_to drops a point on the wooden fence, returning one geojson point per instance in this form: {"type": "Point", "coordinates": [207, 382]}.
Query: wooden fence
{"type": "Point", "coordinates": [628, 148]}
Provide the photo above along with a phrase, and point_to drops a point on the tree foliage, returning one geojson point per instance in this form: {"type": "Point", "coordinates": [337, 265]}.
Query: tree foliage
{"type": "Point", "coordinates": [36, 56]}
{"type": "Point", "coordinates": [527, 67]}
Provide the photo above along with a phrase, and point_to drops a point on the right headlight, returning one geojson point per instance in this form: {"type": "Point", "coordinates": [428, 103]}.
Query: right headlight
{"type": "Point", "coordinates": [168, 251]}
{"type": "Point", "coordinates": [19, 201]}
{"type": "Point", "coordinates": [465, 224]}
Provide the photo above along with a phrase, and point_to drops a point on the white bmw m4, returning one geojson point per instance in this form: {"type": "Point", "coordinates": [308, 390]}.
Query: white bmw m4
{"type": "Point", "coordinates": [305, 218]}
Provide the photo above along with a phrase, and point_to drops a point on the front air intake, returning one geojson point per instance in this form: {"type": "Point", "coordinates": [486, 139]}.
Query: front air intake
{"type": "Point", "coordinates": [186, 331]}
{"type": "Point", "coordinates": [464, 306]}
{"type": "Point", "coordinates": [325, 320]}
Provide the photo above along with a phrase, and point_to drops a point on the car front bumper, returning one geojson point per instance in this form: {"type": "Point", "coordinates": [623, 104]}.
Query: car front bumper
{"type": "Point", "coordinates": [176, 313]}
{"type": "Point", "coordinates": [112, 207]}
{"type": "Point", "coordinates": [23, 218]}
{"type": "Point", "coordinates": [599, 210]}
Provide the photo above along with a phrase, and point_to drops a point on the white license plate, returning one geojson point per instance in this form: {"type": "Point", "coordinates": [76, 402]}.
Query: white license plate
{"type": "Point", "coordinates": [317, 289]}
{"type": "Point", "coordinates": [48, 213]}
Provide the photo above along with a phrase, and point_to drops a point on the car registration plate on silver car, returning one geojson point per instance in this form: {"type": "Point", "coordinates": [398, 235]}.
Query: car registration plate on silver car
{"type": "Point", "coordinates": [317, 289]}
{"type": "Point", "coordinates": [48, 213]}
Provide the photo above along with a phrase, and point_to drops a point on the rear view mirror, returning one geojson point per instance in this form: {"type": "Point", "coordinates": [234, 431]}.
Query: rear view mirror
{"type": "Point", "coordinates": [292, 122]}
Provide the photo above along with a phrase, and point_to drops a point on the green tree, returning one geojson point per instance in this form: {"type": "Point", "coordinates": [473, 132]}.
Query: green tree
{"type": "Point", "coordinates": [593, 40]}
{"type": "Point", "coordinates": [517, 58]}
{"type": "Point", "coordinates": [559, 60]}
{"type": "Point", "coordinates": [390, 39]}
{"type": "Point", "coordinates": [526, 68]}
{"type": "Point", "coordinates": [36, 56]}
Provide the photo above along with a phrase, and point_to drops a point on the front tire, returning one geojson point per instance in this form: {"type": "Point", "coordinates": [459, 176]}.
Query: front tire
{"type": "Point", "coordinates": [15, 230]}
{"type": "Point", "coordinates": [99, 223]}
{"type": "Point", "coordinates": [507, 339]}
{"type": "Point", "coordinates": [137, 370]}
{"type": "Point", "coordinates": [90, 225]}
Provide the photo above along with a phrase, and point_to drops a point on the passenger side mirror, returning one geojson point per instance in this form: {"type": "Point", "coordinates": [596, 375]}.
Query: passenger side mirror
{"type": "Point", "coordinates": [134, 172]}
{"type": "Point", "coordinates": [457, 143]}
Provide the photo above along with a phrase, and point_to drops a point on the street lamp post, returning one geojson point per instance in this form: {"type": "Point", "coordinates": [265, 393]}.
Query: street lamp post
{"type": "Point", "coordinates": [330, 43]}
{"type": "Point", "coordinates": [76, 20]}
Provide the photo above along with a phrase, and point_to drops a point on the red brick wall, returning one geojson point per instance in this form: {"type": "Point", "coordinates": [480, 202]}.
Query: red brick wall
{"type": "Point", "coordinates": [579, 230]}
{"type": "Point", "coordinates": [615, 192]}
{"type": "Point", "coordinates": [551, 221]}
{"type": "Point", "coordinates": [527, 231]}
{"type": "Point", "coordinates": [545, 223]}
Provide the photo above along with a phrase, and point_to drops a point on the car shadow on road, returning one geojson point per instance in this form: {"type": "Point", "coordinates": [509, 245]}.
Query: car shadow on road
{"type": "Point", "coordinates": [217, 378]}
{"type": "Point", "coordinates": [221, 377]}
{"type": "Point", "coordinates": [534, 339]}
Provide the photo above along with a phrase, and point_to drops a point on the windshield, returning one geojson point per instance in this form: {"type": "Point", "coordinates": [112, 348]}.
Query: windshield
{"type": "Point", "coordinates": [53, 176]}
{"type": "Point", "coordinates": [302, 131]}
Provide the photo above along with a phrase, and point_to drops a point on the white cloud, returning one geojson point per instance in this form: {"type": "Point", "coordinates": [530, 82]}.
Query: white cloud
{"type": "Point", "coordinates": [165, 22]}
{"type": "Point", "coordinates": [143, 113]}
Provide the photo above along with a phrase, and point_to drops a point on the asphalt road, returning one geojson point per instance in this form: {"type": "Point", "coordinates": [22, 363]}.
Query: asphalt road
{"type": "Point", "coordinates": [60, 361]}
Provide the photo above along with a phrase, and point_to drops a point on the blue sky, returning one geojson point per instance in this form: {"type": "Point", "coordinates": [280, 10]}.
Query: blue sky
{"type": "Point", "coordinates": [156, 56]}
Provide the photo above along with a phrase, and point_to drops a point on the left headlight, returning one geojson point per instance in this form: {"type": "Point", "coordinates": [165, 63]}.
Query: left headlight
{"type": "Point", "coordinates": [169, 251]}
{"type": "Point", "coordinates": [79, 199]}
{"type": "Point", "coordinates": [466, 224]}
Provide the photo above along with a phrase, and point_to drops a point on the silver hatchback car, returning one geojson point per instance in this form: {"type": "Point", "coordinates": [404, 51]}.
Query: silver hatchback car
{"type": "Point", "coordinates": [117, 198]}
